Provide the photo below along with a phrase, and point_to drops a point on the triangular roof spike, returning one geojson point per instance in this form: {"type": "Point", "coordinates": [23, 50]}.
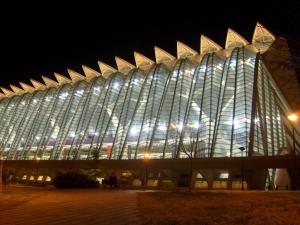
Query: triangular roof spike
{"type": "Point", "coordinates": [261, 32]}
{"type": "Point", "coordinates": [207, 45]}
{"type": "Point", "coordinates": [123, 66]}
{"type": "Point", "coordinates": [75, 76]}
{"type": "Point", "coordinates": [162, 55]}
{"type": "Point", "coordinates": [89, 72]}
{"type": "Point", "coordinates": [234, 39]}
{"type": "Point", "coordinates": [184, 51]}
{"type": "Point", "coordinates": [106, 69]}
{"type": "Point", "coordinates": [141, 60]}
{"type": "Point", "coordinates": [49, 82]}
{"type": "Point", "coordinates": [7, 92]}
{"type": "Point", "coordinates": [62, 79]}
{"type": "Point", "coordinates": [2, 95]}
{"type": "Point", "coordinates": [37, 85]}
{"type": "Point", "coordinates": [262, 38]}
{"type": "Point", "coordinates": [16, 89]}
{"type": "Point", "coordinates": [27, 88]}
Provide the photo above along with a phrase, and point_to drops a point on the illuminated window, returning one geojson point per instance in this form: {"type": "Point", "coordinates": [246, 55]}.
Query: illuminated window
{"type": "Point", "coordinates": [224, 175]}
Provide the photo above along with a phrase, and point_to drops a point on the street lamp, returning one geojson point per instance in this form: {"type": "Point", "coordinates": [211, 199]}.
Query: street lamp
{"type": "Point", "coordinates": [242, 149]}
{"type": "Point", "coordinates": [37, 168]}
{"type": "Point", "coordinates": [146, 157]}
{"type": "Point", "coordinates": [1, 173]}
{"type": "Point", "coordinates": [294, 118]}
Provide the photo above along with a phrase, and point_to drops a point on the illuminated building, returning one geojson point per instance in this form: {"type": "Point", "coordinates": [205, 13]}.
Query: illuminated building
{"type": "Point", "coordinates": [209, 103]}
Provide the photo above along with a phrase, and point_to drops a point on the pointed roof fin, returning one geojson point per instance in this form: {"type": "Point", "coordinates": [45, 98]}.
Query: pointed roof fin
{"type": "Point", "coordinates": [162, 56]}
{"type": "Point", "coordinates": [37, 85]}
{"type": "Point", "coordinates": [16, 89]}
{"type": "Point", "coordinates": [123, 65]}
{"type": "Point", "coordinates": [106, 69]}
{"type": "Point", "coordinates": [262, 38]}
{"type": "Point", "coordinates": [234, 39]}
{"type": "Point", "coordinates": [89, 72]}
{"type": "Point", "coordinates": [207, 45]}
{"type": "Point", "coordinates": [184, 51]}
{"type": "Point", "coordinates": [141, 60]}
{"type": "Point", "coordinates": [75, 76]}
{"type": "Point", "coordinates": [8, 93]}
{"type": "Point", "coordinates": [62, 79]}
{"type": "Point", "coordinates": [49, 82]}
{"type": "Point", "coordinates": [27, 87]}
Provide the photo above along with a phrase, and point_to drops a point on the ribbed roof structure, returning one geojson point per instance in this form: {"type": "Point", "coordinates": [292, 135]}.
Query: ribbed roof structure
{"type": "Point", "coordinates": [209, 104]}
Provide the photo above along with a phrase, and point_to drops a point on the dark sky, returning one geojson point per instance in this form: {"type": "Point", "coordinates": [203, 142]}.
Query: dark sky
{"type": "Point", "coordinates": [42, 39]}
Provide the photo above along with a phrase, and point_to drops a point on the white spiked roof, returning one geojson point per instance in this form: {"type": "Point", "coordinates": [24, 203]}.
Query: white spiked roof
{"type": "Point", "coordinates": [123, 66]}
{"type": "Point", "coordinates": [27, 87]}
{"type": "Point", "coordinates": [261, 32]}
{"type": "Point", "coordinates": [262, 38]}
{"type": "Point", "coordinates": [234, 39]}
{"type": "Point", "coordinates": [75, 76]}
{"type": "Point", "coordinates": [141, 60]}
{"type": "Point", "coordinates": [16, 89]}
{"type": "Point", "coordinates": [49, 82]}
{"type": "Point", "coordinates": [62, 79]}
{"type": "Point", "coordinates": [106, 69]}
{"type": "Point", "coordinates": [207, 45]}
{"type": "Point", "coordinates": [38, 85]}
{"type": "Point", "coordinates": [89, 72]}
{"type": "Point", "coordinates": [162, 55]}
{"type": "Point", "coordinates": [7, 92]}
{"type": "Point", "coordinates": [184, 51]}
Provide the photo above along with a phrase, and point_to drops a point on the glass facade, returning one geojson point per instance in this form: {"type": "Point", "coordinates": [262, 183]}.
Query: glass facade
{"type": "Point", "coordinates": [210, 108]}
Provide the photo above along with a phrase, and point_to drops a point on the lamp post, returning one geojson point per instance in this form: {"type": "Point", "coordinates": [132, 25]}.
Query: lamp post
{"type": "Point", "coordinates": [242, 149]}
{"type": "Point", "coordinates": [1, 173]}
{"type": "Point", "coordinates": [146, 157]}
{"type": "Point", "coordinates": [294, 118]}
{"type": "Point", "coordinates": [37, 168]}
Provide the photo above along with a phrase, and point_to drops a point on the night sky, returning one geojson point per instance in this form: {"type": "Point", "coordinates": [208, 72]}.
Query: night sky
{"type": "Point", "coordinates": [42, 39]}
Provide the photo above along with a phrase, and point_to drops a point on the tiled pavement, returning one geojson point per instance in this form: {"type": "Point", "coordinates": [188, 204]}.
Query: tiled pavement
{"type": "Point", "coordinates": [74, 207]}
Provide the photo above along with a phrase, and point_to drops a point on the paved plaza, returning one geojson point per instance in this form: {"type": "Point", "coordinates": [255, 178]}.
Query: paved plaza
{"type": "Point", "coordinates": [32, 206]}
